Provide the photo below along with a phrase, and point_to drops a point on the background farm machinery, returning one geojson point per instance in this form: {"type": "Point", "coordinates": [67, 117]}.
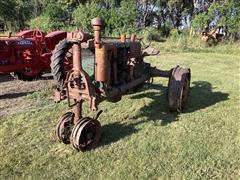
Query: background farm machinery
{"type": "Point", "coordinates": [105, 69]}
{"type": "Point", "coordinates": [213, 36]}
{"type": "Point", "coordinates": [27, 54]}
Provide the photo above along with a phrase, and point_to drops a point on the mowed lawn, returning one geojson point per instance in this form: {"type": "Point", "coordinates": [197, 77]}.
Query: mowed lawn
{"type": "Point", "coordinates": [141, 139]}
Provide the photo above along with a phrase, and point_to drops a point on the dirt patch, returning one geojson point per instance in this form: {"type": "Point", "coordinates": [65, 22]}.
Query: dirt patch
{"type": "Point", "coordinates": [13, 94]}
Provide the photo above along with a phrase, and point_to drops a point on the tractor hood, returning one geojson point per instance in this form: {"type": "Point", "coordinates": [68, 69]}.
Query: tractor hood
{"type": "Point", "coordinates": [6, 42]}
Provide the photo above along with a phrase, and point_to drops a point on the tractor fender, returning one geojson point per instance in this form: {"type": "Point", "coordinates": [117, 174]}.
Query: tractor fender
{"type": "Point", "coordinates": [53, 38]}
{"type": "Point", "coordinates": [28, 33]}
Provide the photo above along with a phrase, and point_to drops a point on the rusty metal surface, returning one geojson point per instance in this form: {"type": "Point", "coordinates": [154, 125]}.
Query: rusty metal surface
{"type": "Point", "coordinates": [78, 111]}
{"type": "Point", "coordinates": [77, 64]}
{"type": "Point", "coordinates": [102, 65]}
{"type": "Point", "coordinates": [150, 51]}
{"type": "Point", "coordinates": [135, 49]}
{"type": "Point", "coordinates": [59, 95]}
{"type": "Point", "coordinates": [160, 73]}
{"type": "Point", "coordinates": [213, 36]}
{"type": "Point", "coordinates": [123, 38]}
{"type": "Point", "coordinates": [178, 88]}
{"type": "Point", "coordinates": [64, 127]}
{"type": "Point", "coordinates": [86, 134]}
{"type": "Point", "coordinates": [97, 27]}
{"type": "Point", "coordinates": [81, 89]}
{"type": "Point", "coordinates": [79, 35]}
{"type": "Point", "coordinates": [119, 68]}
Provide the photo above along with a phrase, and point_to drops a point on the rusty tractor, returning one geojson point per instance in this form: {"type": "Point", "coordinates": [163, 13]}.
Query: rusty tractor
{"type": "Point", "coordinates": [212, 37]}
{"type": "Point", "coordinates": [27, 54]}
{"type": "Point", "coordinates": [104, 68]}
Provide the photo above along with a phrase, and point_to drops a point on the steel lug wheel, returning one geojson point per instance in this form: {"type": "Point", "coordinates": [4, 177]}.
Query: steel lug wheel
{"type": "Point", "coordinates": [64, 127]}
{"type": "Point", "coordinates": [86, 134]}
{"type": "Point", "coordinates": [178, 88]}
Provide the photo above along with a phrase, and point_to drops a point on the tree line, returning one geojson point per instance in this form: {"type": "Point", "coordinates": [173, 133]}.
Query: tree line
{"type": "Point", "coordinates": [120, 16]}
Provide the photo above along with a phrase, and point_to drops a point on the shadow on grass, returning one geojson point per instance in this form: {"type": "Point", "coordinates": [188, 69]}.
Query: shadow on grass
{"type": "Point", "coordinates": [8, 77]}
{"type": "Point", "coordinates": [15, 95]}
{"type": "Point", "coordinates": [201, 96]}
{"type": "Point", "coordinates": [116, 131]}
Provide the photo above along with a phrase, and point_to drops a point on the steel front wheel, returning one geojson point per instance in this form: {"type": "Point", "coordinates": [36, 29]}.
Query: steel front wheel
{"type": "Point", "coordinates": [86, 134]}
{"type": "Point", "coordinates": [64, 127]}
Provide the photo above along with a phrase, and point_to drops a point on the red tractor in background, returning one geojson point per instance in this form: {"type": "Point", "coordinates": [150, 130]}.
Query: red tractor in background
{"type": "Point", "coordinates": [27, 54]}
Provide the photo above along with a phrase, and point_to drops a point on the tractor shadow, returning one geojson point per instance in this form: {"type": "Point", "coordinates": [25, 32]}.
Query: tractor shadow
{"type": "Point", "coordinates": [8, 77]}
{"type": "Point", "coordinates": [113, 132]}
{"type": "Point", "coordinates": [5, 78]}
{"type": "Point", "coordinates": [201, 96]}
{"type": "Point", "coordinates": [14, 95]}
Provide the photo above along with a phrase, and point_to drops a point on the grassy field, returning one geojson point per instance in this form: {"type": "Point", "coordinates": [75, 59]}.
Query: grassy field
{"type": "Point", "coordinates": [141, 139]}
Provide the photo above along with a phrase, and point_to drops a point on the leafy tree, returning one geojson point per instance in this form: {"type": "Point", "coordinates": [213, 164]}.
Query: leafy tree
{"type": "Point", "coordinates": [200, 21]}
{"type": "Point", "coordinates": [118, 19]}
{"type": "Point", "coordinates": [121, 16]}
{"type": "Point", "coordinates": [7, 14]}
{"type": "Point", "coordinates": [84, 13]}
{"type": "Point", "coordinates": [222, 13]}
{"type": "Point", "coordinates": [53, 18]}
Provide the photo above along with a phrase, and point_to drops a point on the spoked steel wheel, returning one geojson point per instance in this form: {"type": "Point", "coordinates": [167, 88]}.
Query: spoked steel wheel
{"type": "Point", "coordinates": [86, 134]}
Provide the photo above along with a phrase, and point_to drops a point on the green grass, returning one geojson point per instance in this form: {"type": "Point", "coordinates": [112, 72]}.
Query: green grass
{"type": "Point", "coordinates": [185, 43]}
{"type": "Point", "coordinates": [141, 139]}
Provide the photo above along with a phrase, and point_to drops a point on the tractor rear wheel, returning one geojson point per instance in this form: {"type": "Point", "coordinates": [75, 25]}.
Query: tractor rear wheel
{"type": "Point", "coordinates": [178, 88]}
{"type": "Point", "coordinates": [60, 61]}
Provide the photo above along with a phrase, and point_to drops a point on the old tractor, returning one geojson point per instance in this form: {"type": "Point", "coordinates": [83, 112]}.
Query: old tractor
{"type": "Point", "coordinates": [104, 68]}
{"type": "Point", "coordinates": [212, 37]}
{"type": "Point", "coordinates": [27, 54]}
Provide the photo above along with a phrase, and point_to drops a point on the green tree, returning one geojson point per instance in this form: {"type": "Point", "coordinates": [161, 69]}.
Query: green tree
{"type": "Point", "coordinates": [52, 18]}
{"type": "Point", "coordinates": [222, 13]}
{"type": "Point", "coordinates": [7, 14]}
{"type": "Point", "coordinates": [118, 18]}
{"type": "Point", "coordinates": [84, 13]}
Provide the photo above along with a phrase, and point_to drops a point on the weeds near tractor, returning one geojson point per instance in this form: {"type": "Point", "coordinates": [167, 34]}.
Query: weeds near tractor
{"type": "Point", "coordinates": [141, 139]}
{"type": "Point", "coordinates": [185, 43]}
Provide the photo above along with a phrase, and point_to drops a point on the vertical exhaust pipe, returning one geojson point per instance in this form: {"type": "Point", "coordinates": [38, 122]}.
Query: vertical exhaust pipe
{"type": "Point", "coordinates": [102, 61]}
{"type": "Point", "coordinates": [97, 27]}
